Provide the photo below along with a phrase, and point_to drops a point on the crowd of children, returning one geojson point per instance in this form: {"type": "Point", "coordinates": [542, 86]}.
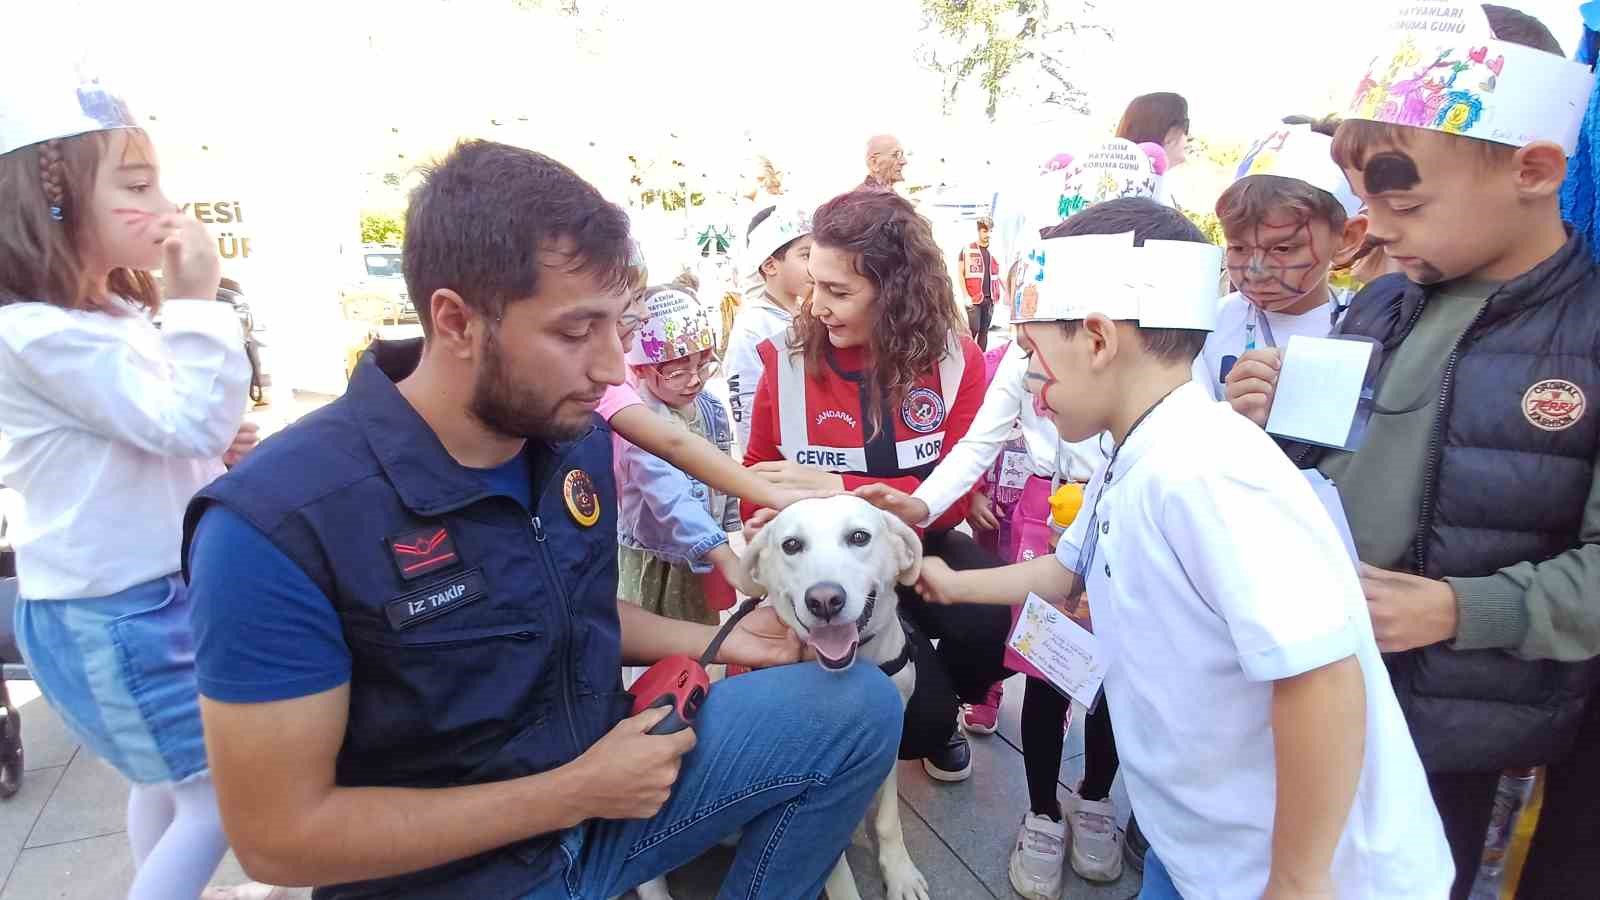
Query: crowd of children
{"type": "Point", "coordinates": [1289, 722]}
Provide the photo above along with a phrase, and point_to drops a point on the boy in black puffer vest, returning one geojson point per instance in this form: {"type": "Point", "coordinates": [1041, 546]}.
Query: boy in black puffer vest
{"type": "Point", "coordinates": [1473, 498]}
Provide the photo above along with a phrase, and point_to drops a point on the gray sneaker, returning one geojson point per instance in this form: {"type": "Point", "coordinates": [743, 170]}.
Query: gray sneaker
{"type": "Point", "coordinates": [1039, 858]}
{"type": "Point", "coordinates": [1096, 842]}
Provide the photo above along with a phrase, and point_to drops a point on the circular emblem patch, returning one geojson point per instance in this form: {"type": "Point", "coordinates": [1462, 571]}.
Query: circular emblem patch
{"type": "Point", "coordinates": [923, 410]}
{"type": "Point", "coordinates": [1553, 405]}
{"type": "Point", "coordinates": [582, 501]}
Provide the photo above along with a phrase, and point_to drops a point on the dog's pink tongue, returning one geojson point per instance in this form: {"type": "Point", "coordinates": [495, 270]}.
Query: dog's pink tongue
{"type": "Point", "coordinates": [835, 641]}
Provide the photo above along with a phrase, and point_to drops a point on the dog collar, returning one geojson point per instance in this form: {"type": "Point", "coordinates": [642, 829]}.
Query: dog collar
{"type": "Point", "coordinates": [866, 616]}
{"type": "Point", "coordinates": [893, 666]}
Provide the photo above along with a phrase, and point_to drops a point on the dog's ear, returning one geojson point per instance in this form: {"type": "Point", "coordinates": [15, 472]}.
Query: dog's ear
{"type": "Point", "coordinates": [753, 553]}
{"type": "Point", "coordinates": [907, 547]}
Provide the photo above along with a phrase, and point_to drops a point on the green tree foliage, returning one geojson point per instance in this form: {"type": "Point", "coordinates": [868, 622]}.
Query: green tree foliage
{"type": "Point", "coordinates": [1008, 47]}
{"type": "Point", "coordinates": [382, 228]}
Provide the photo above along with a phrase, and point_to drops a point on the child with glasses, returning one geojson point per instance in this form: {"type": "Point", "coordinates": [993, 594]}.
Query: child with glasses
{"type": "Point", "coordinates": [675, 559]}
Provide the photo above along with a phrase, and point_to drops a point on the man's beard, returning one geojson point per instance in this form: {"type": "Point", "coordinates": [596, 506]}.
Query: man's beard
{"type": "Point", "coordinates": [515, 410]}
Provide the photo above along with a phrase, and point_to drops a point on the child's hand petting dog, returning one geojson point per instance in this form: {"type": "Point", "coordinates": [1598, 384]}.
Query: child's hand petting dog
{"type": "Point", "coordinates": [938, 583]}
{"type": "Point", "coordinates": [899, 504]}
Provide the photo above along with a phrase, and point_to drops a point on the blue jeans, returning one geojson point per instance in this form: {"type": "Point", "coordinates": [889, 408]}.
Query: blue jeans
{"type": "Point", "coordinates": [792, 756]}
{"type": "Point", "coordinates": [1157, 881]}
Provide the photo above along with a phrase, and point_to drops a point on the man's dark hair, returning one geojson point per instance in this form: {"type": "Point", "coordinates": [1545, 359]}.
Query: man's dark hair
{"type": "Point", "coordinates": [1149, 221]}
{"type": "Point", "coordinates": [488, 219]}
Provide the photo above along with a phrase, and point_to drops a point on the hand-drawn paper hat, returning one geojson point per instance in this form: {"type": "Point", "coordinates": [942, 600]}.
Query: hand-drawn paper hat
{"type": "Point", "coordinates": [784, 225]}
{"type": "Point", "coordinates": [1295, 151]}
{"type": "Point", "coordinates": [41, 101]}
{"type": "Point", "coordinates": [1438, 66]}
{"type": "Point", "coordinates": [1161, 284]}
{"type": "Point", "coordinates": [1115, 169]}
{"type": "Point", "coordinates": [678, 326]}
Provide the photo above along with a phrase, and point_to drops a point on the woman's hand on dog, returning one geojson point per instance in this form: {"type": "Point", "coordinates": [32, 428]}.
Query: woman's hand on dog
{"type": "Point", "coordinates": [938, 583]}
{"type": "Point", "coordinates": [899, 504]}
{"type": "Point", "coordinates": [760, 640]}
{"type": "Point", "coordinates": [629, 773]}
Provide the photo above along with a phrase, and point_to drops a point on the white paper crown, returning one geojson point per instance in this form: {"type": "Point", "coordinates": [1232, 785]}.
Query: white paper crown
{"type": "Point", "coordinates": [678, 326]}
{"type": "Point", "coordinates": [1115, 169]}
{"type": "Point", "coordinates": [1162, 284]}
{"type": "Point", "coordinates": [777, 229]}
{"type": "Point", "coordinates": [42, 102]}
{"type": "Point", "coordinates": [1295, 151]}
{"type": "Point", "coordinates": [1439, 67]}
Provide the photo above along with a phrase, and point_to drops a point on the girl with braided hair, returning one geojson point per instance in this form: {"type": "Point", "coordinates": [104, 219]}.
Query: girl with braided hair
{"type": "Point", "coordinates": [110, 426]}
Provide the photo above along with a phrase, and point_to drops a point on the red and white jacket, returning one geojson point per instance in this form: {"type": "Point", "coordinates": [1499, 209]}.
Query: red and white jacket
{"type": "Point", "coordinates": [972, 271]}
{"type": "Point", "coordinates": [819, 422]}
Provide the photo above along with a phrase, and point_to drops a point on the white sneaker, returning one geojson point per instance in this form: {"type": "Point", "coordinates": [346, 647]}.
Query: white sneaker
{"type": "Point", "coordinates": [1096, 842]}
{"type": "Point", "coordinates": [1039, 858]}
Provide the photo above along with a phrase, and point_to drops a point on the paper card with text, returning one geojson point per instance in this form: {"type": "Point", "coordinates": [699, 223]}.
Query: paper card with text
{"type": "Point", "coordinates": [1068, 655]}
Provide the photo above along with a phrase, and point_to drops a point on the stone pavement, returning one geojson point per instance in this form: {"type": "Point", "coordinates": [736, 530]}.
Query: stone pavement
{"type": "Point", "coordinates": [62, 837]}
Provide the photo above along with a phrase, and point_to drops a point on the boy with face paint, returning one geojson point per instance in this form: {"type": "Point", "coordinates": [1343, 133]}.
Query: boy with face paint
{"type": "Point", "coordinates": [1260, 740]}
{"type": "Point", "coordinates": [1472, 497]}
{"type": "Point", "coordinates": [1289, 219]}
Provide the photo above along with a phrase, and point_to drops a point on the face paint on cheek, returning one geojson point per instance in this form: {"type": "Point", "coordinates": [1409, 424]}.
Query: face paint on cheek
{"type": "Point", "coordinates": [1391, 170]}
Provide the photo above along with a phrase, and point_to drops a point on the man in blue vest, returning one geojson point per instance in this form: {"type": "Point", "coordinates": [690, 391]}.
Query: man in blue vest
{"type": "Point", "coordinates": [408, 637]}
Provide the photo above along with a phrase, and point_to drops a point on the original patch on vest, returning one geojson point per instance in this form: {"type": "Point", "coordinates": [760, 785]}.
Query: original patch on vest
{"type": "Point", "coordinates": [577, 489]}
{"type": "Point", "coordinates": [418, 553]}
{"type": "Point", "coordinates": [1553, 405]}
{"type": "Point", "coordinates": [923, 410]}
{"type": "Point", "coordinates": [435, 600]}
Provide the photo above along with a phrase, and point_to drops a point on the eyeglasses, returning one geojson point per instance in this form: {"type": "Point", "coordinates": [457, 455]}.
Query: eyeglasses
{"type": "Point", "coordinates": [683, 377]}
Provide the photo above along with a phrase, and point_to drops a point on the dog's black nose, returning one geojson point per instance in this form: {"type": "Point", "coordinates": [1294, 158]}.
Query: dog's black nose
{"type": "Point", "coordinates": [825, 600]}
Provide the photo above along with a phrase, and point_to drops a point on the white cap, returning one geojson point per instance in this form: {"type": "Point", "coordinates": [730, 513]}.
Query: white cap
{"type": "Point", "coordinates": [678, 326]}
{"type": "Point", "coordinates": [1438, 66]}
{"type": "Point", "coordinates": [1295, 151]}
{"type": "Point", "coordinates": [1161, 284]}
{"type": "Point", "coordinates": [779, 228]}
{"type": "Point", "coordinates": [42, 102]}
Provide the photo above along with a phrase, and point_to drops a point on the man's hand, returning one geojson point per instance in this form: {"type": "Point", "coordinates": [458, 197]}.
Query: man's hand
{"type": "Point", "coordinates": [760, 640]}
{"type": "Point", "coordinates": [939, 583]}
{"type": "Point", "coordinates": [980, 514]}
{"type": "Point", "coordinates": [1408, 611]}
{"type": "Point", "coordinates": [629, 774]}
{"type": "Point", "coordinates": [795, 477]}
{"type": "Point", "coordinates": [900, 504]}
{"type": "Point", "coordinates": [245, 441]}
{"type": "Point", "coordinates": [1252, 382]}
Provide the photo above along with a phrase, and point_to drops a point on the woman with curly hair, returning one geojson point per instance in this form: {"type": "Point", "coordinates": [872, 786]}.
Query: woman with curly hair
{"type": "Point", "coordinates": [875, 379]}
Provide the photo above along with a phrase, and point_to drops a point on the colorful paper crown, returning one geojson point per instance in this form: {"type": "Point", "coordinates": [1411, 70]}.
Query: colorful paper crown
{"type": "Point", "coordinates": [1161, 284]}
{"type": "Point", "coordinates": [1295, 151]}
{"type": "Point", "coordinates": [777, 229]}
{"type": "Point", "coordinates": [678, 326]}
{"type": "Point", "coordinates": [44, 102]}
{"type": "Point", "coordinates": [1111, 171]}
{"type": "Point", "coordinates": [1439, 67]}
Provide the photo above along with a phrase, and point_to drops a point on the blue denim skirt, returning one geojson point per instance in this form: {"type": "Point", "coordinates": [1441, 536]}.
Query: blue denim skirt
{"type": "Point", "coordinates": [119, 670]}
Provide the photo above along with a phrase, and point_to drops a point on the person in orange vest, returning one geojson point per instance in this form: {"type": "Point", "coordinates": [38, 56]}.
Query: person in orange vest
{"type": "Point", "coordinates": [982, 274]}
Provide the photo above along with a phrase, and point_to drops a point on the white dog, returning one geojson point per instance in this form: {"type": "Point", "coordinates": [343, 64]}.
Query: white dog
{"type": "Point", "coordinates": [830, 567]}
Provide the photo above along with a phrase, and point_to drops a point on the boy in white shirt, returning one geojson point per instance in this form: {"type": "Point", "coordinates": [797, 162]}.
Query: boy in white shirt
{"type": "Point", "coordinates": [778, 248]}
{"type": "Point", "coordinates": [1259, 737]}
{"type": "Point", "coordinates": [1289, 218]}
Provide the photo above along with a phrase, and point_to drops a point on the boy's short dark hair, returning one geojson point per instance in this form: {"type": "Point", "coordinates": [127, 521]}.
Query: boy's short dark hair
{"type": "Point", "coordinates": [1149, 221]}
{"type": "Point", "coordinates": [1358, 139]}
{"type": "Point", "coordinates": [484, 218]}
{"type": "Point", "coordinates": [1251, 200]}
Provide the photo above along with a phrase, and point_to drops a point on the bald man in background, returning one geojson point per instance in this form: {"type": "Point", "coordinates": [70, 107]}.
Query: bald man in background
{"type": "Point", "coordinates": [886, 161]}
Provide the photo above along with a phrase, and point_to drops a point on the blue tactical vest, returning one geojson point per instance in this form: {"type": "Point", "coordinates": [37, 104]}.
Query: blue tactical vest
{"type": "Point", "coordinates": [484, 640]}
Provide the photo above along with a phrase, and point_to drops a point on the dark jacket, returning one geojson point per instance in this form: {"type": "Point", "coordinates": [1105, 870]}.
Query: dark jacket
{"type": "Point", "coordinates": [1503, 516]}
{"type": "Point", "coordinates": [484, 640]}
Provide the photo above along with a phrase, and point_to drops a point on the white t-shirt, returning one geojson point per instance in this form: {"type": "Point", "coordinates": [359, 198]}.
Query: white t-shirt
{"type": "Point", "coordinates": [1214, 572]}
{"type": "Point", "coordinates": [1227, 343]}
{"type": "Point", "coordinates": [110, 427]}
{"type": "Point", "coordinates": [759, 320]}
{"type": "Point", "coordinates": [1007, 401]}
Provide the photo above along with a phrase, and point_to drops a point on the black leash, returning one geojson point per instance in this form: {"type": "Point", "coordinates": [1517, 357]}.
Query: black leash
{"type": "Point", "coordinates": [745, 609]}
